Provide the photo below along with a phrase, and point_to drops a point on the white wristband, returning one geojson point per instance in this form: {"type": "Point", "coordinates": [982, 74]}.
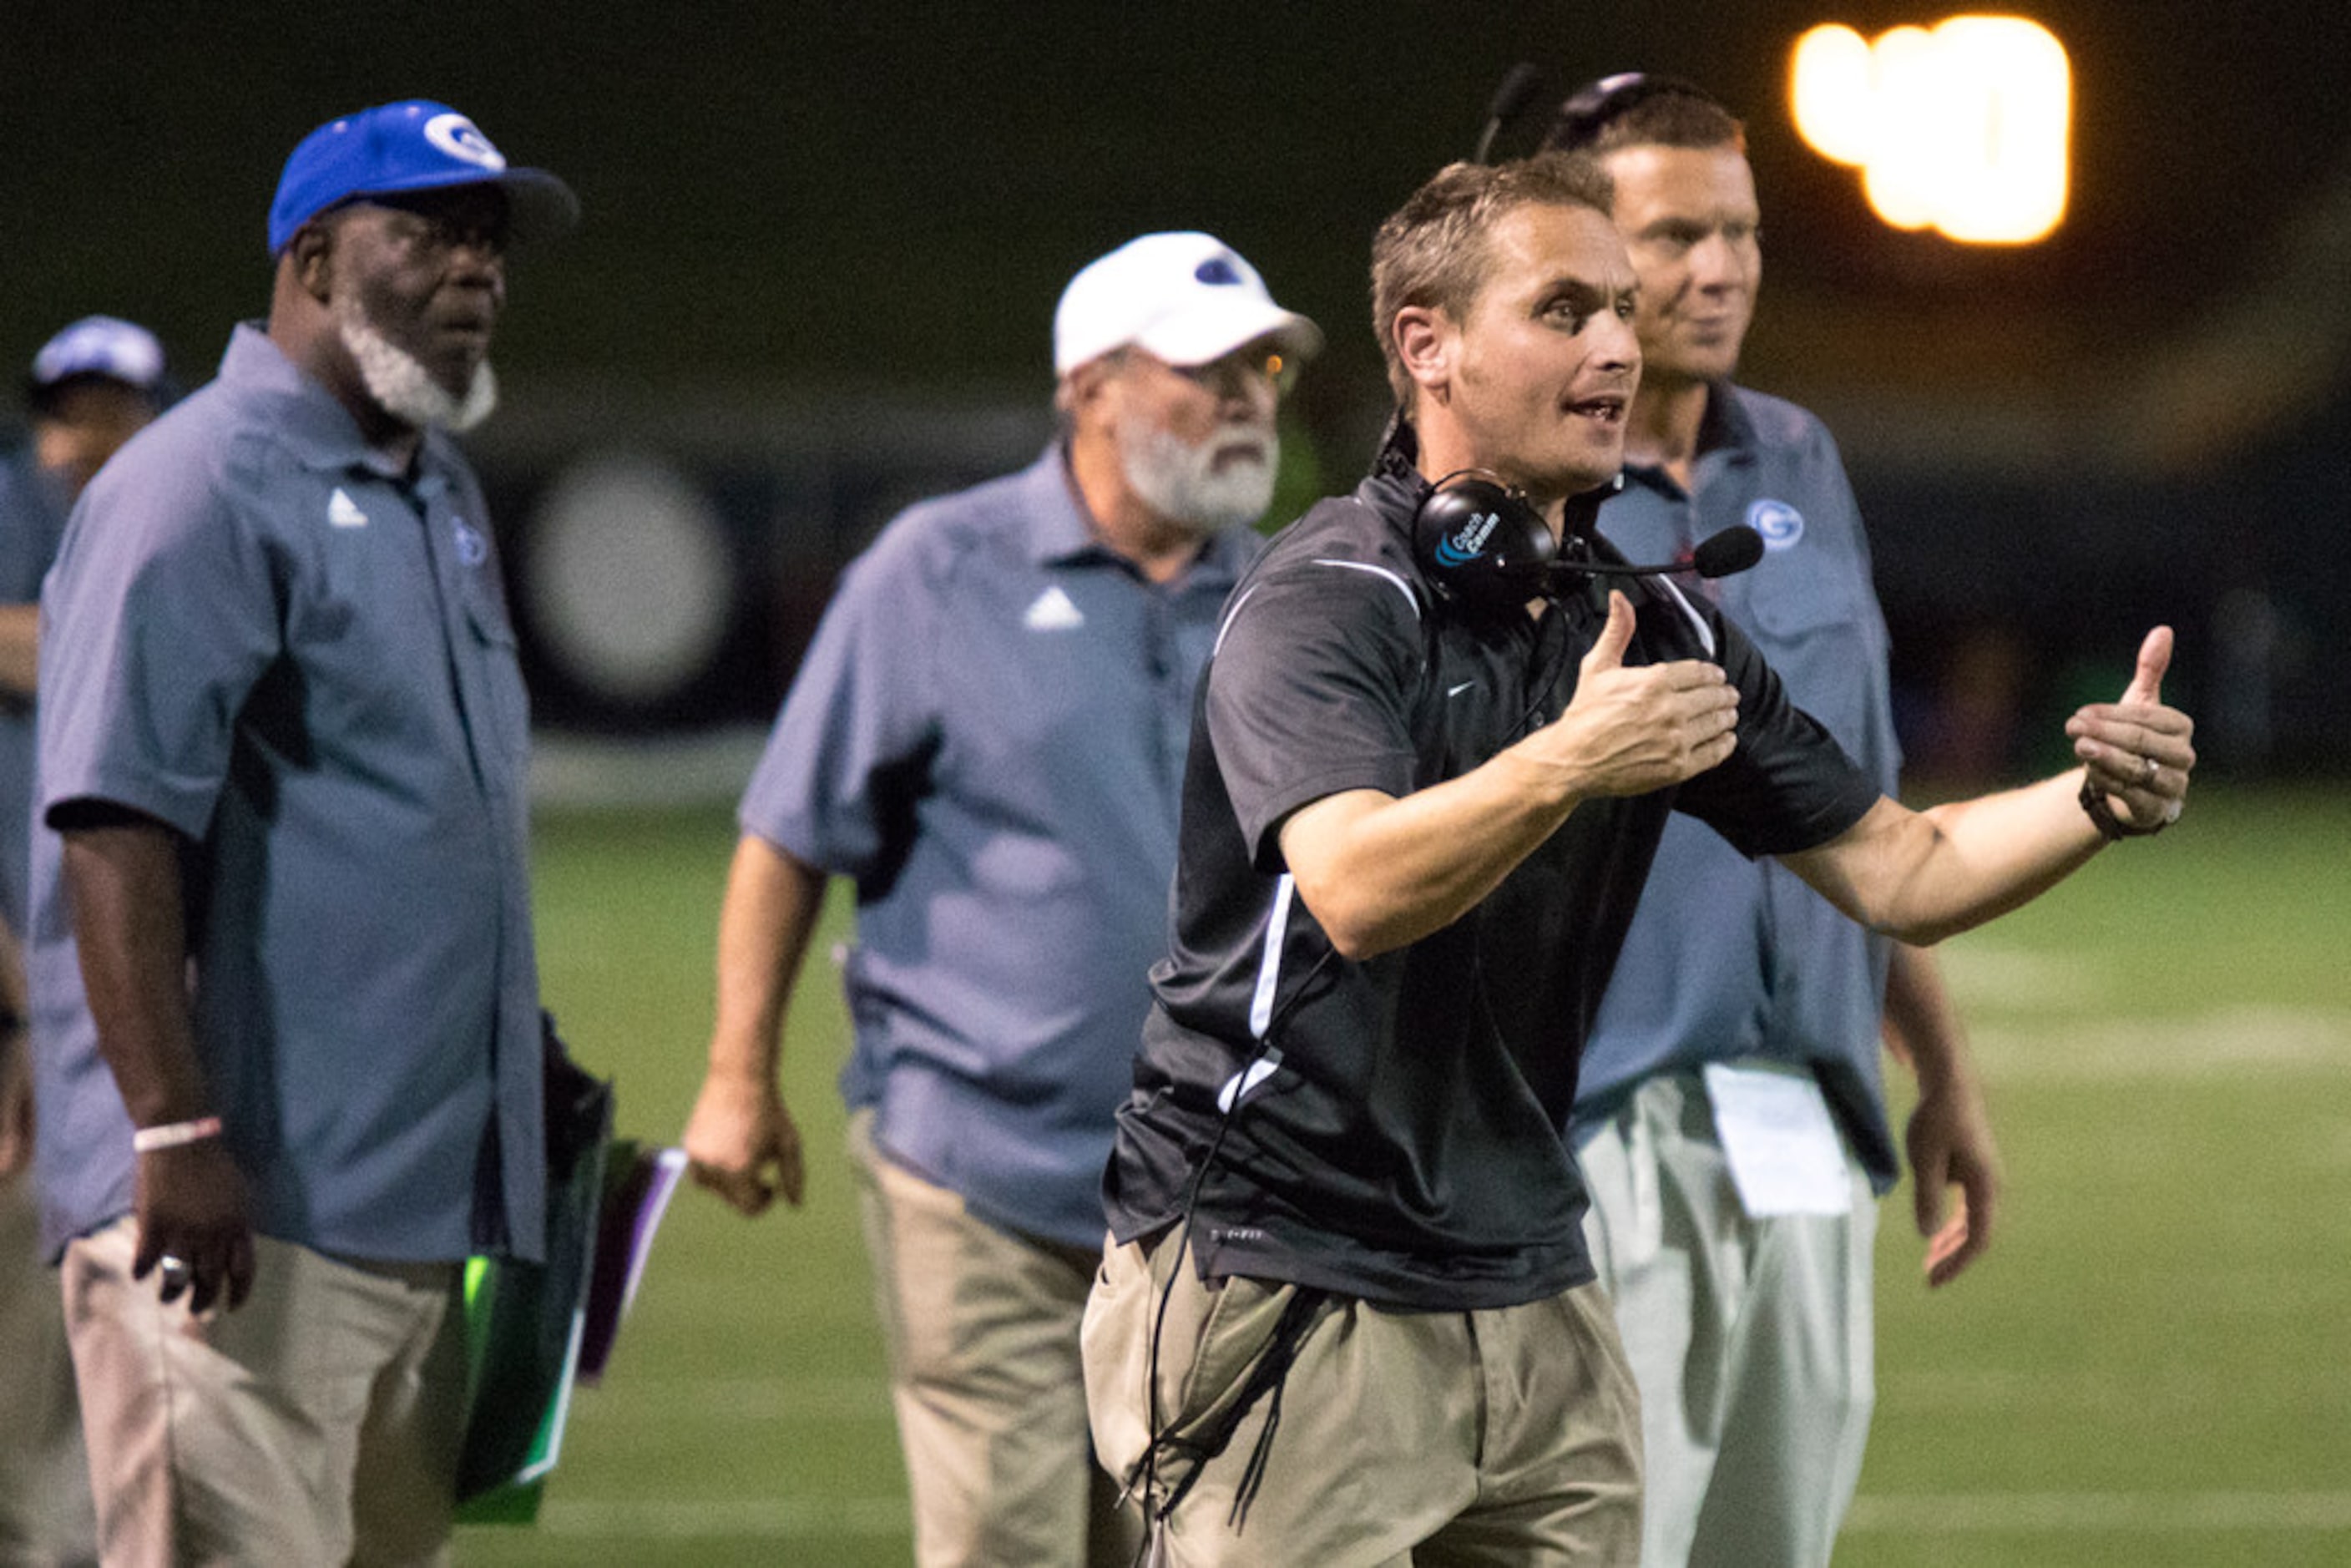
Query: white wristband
{"type": "Point", "coordinates": [171, 1135]}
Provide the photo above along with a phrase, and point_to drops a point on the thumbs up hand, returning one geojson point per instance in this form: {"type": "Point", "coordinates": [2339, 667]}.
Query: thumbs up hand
{"type": "Point", "coordinates": [2137, 750]}
{"type": "Point", "coordinates": [1629, 730]}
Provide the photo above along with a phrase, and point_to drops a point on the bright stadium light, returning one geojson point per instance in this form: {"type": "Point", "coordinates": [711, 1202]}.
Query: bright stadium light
{"type": "Point", "coordinates": [1963, 127]}
{"type": "Point", "coordinates": [1902, 176]}
{"type": "Point", "coordinates": [1830, 86]}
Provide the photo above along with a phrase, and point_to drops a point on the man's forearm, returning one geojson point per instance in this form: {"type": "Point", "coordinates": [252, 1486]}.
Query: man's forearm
{"type": "Point", "coordinates": [123, 880]}
{"type": "Point", "coordinates": [20, 629]}
{"type": "Point", "coordinates": [769, 914]}
{"type": "Point", "coordinates": [1921, 1025]}
{"type": "Point", "coordinates": [1379, 872]}
{"type": "Point", "coordinates": [1921, 876]}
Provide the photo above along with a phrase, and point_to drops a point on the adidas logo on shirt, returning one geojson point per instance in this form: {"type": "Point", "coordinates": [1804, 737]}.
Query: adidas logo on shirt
{"type": "Point", "coordinates": [1053, 611]}
{"type": "Point", "coordinates": [343, 512]}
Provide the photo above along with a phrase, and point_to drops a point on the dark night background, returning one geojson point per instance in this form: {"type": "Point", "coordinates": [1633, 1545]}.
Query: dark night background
{"type": "Point", "coordinates": [823, 245]}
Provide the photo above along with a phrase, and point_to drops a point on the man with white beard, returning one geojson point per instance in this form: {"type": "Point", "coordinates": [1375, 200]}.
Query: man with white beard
{"type": "Point", "coordinates": [285, 1008]}
{"type": "Point", "coordinates": [988, 736]}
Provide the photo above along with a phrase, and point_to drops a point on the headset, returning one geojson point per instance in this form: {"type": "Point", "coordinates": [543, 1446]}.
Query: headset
{"type": "Point", "coordinates": [1588, 111]}
{"type": "Point", "coordinates": [1484, 546]}
{"type": "Point", "coordinates": [1593, 107]}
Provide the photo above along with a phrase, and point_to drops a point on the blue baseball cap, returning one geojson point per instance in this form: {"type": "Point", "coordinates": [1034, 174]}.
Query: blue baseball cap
{"type": "Point", "coordinates": [413, 145]}
{"type": "Point", "coordinates": [101, 346]}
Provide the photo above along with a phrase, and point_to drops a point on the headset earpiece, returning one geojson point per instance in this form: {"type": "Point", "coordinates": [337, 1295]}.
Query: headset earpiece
{"type": "Point", "coordinates": [1482, 543]}
{"type": "Point", "coordinates": [1593, 108]}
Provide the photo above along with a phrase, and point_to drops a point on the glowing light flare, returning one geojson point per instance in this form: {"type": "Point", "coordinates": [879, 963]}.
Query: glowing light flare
{"type": "Point", "coordinates": [1963, 127]}
{"type": "Point", "coordinates": [2017, 89]}
{"type": "Point", "coordinates": [1904, 174]}
{"type": "Point", "coordinates": [1830, 86]}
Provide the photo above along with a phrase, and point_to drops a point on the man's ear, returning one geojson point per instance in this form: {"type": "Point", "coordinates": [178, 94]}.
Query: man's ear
{"type": "Point", "coordinates": [1081, 391]}
{"type": "Point", "coordinates": [310, 253]}
{"type": "Point", "coordinates": [1427, 342]}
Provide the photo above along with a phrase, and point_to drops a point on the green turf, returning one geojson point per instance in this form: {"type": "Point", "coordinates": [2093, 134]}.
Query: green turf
{"type": "Point", "coordinates": [2153, 1366]}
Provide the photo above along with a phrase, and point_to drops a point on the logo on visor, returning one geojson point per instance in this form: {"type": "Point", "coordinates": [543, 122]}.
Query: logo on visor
{"type": "Point", "coordinates": [456, 135]}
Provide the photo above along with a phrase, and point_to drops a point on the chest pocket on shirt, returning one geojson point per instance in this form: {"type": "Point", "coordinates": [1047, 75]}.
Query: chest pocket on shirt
{"type": "Point", "coordinates": [497, 656]}
{"type": "Point", "coordinates": [1813, 617]}
{"type": "Point", "coordinates": [1797, 591]}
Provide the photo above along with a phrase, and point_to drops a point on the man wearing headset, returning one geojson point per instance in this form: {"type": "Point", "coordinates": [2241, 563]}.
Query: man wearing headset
{"type": "Point", "coordinates": [1346, 1311]}
{"type": "Point", "coordinates": [1745, 1309]}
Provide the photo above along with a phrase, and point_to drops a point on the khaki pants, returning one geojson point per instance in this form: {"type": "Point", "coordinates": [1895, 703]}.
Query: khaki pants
{"type": "Point", "coordinates": [1751, 1339]}
{"type": "Point", "coordinates": [1507, 1437]}
{"type": "Point", "coordinates": [318, 1423]}
{"type": "Point", "coordinates": [981, 1327]}
{"type": "Point", "coordinates": [45, 1512]}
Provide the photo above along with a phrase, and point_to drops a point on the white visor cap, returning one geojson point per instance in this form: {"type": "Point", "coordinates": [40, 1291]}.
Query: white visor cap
{"type": "Point", "coordinates": [1186, 298]}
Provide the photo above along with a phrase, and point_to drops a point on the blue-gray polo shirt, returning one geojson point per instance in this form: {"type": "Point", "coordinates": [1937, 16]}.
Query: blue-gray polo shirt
{"type": "Point", "coordinates": [32, 517]}
{"type": "Point", "coordinates": [1730, 958]}
{"type": "Point", "coordinates": [987, 734]}
{"type": "Point", "coordinates": [258, 635]}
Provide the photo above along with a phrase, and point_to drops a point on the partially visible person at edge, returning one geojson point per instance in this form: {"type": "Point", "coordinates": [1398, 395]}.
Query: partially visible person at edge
{"type": "Point", "coordinates": [1346, 1313]}
{"type": "Point", "coordinates": [92, 386]}
{"type": "Point", "coordinates": [285, 1006]}
{"type": "Point", "coordinates": [987, 737]}
{"type": "Point", "coordinates": [1743, 999]}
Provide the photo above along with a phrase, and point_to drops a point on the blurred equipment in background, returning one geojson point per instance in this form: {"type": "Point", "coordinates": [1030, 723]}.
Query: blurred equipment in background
{"type": "Point", "coordinates": [634, 583]}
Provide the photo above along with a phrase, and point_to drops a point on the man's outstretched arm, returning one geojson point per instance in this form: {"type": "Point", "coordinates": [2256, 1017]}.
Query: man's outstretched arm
{"type": "Point", "coordinates": [1921, 876]}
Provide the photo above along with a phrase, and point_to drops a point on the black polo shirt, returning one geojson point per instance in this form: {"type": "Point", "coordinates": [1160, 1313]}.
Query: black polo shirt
{"type": "Point", "coordinates": [1393, 1131]}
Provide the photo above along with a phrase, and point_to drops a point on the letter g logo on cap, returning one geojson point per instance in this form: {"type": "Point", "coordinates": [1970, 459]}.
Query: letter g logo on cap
{"type": "Point", "coordinates": [456, 135]}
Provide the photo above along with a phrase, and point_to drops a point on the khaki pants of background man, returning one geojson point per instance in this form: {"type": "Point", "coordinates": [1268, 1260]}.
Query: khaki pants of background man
{"type": "Point", "coordinates": [45, 1513]}
{"type": "Point", "coordinates": [1433, 1439]}
{"type": "Point", "coordinates": [981, 1327]}
{"type": "Point", "coordinates": [318, 1423]}
{"type": "Point", "coordinates": [1751, 1339]}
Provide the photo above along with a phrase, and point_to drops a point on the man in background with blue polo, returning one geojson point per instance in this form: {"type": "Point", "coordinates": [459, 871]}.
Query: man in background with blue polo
{"type": "Point", "coordinates": [1731, 1114]}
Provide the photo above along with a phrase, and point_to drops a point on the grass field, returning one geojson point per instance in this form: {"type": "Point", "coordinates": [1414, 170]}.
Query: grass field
{"type": "Point", "coordinates": [2153, 1366]}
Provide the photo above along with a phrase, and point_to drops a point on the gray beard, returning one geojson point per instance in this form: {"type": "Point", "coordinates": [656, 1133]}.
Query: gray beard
{"type": "Point", "coordinates": [1182, 484]}
{"type": "Point", "coordinates": [401, 386]}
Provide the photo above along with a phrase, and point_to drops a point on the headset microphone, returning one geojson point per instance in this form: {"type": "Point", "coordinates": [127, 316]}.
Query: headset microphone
{"type": "Point", "coordinates": [1518, 86]}
{"type": "Point", "coordinates": [1723, 554]}
{"type": "Point", "coordinates": [1481, 542]}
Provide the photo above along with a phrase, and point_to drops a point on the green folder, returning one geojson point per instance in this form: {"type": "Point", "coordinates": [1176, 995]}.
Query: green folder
{"type": "Point", "coordinates": [524, 1320]}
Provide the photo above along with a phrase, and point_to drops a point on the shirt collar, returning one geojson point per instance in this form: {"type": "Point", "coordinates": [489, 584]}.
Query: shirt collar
{"type": "Point", "coordinates": [1057, 529]}
{"type": "Point", "coordinates": [1395, 486]}
{"type": "Point", "coordinates": [303, 415]}
{"type": "Point", "coordinates": [1727, 425]}
{"type": "Point", "coordinates": [1724, 429]}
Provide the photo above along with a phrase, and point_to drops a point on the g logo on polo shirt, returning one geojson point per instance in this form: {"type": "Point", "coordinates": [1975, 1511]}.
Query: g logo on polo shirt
{"type": "Point", "coordinates": [1779, 524]}
{"type": "Point", "coordinates": [472, 547]}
